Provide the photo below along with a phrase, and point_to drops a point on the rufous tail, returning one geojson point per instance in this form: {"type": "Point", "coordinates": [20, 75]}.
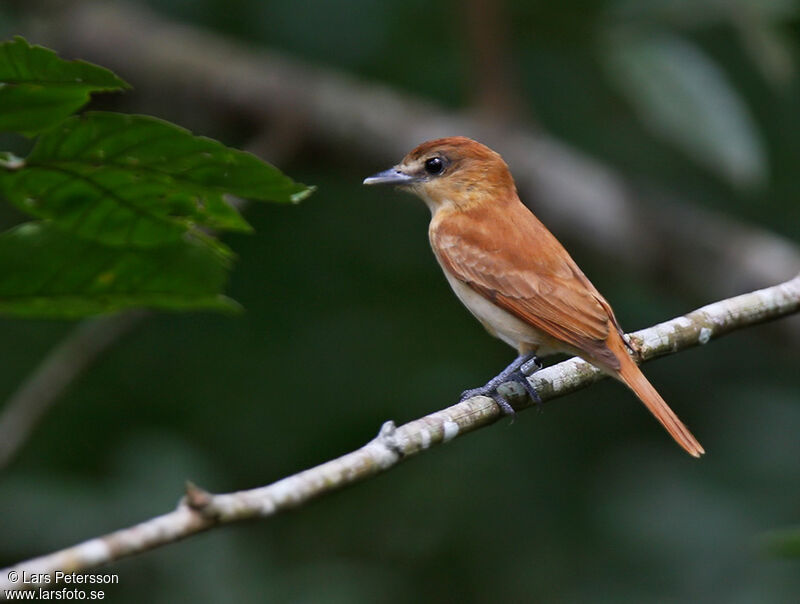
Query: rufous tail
{"type": "Point", "coordinates": [634, 378]}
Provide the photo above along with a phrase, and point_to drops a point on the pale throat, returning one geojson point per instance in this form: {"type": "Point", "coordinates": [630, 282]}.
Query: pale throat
{"type": "Point", "coordinates": [445, 203]}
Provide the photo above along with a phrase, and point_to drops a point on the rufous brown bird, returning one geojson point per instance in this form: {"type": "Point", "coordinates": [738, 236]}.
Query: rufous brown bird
{"type": "Point", "coordinates": [513, 274]}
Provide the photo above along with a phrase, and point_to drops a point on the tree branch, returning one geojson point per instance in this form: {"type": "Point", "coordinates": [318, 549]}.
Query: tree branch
{"type": "Point", "coordinates": [199, 511]}
{"type": "Point", "coordinates": [576, 195]}
{"type": "Point", "coordinates": [62, 366]}
{"type": "Point", "coordinates": [76, 353]}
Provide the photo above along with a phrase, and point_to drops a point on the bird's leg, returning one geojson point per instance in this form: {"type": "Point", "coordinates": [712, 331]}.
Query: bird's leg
{"type": "Point", "coordinates": [531, 365]}
{"type": "Point", "coordinates": [517, 371]}
{"type": "Point", "coordinates": [528, 367]}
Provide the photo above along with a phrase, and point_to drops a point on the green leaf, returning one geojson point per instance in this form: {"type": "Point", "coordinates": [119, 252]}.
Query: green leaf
{"type": "Point", "coordinates": [136, 180]}
{"type": "Point", "coordinates": [682, 96]}
{"type": "Point", "coordinates": [47, 273]}
{"type": "Point", "coordinates": [38, 89]}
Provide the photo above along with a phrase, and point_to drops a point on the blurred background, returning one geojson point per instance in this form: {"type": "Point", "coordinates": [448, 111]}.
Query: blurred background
{"type": "Point", "coordinates": [659, 139]}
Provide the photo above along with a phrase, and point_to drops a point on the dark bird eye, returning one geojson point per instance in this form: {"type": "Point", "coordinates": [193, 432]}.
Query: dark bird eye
{"type": "Point", "coordinates": [434, 166]}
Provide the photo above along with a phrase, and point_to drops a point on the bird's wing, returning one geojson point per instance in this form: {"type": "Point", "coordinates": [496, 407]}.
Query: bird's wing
{"type": "Point", "coordinates": [515, 262]}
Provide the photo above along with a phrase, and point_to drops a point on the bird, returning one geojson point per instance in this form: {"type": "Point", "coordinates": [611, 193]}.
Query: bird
{"type": "Point", "coordinates": [513, 274]}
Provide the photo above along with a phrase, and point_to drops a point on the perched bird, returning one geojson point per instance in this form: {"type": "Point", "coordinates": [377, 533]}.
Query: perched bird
{"type": "Point", "coordinates": [513, 274]}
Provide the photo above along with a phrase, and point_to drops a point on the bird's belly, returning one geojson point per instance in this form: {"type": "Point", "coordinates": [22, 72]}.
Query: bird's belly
{"type": "Point", "coordinates": [501, 323]}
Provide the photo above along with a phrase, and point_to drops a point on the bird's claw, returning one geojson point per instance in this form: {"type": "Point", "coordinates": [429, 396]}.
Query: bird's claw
{"type": "Point", "coordinates": [483, 391]}
{"type": "Point", "coordinates": [504, 405]}
{"type": "Point", "coordinates": [522, 380]}
{"type": "Point", "coordinates": [490, 390]}
{"type": "Point", "coordinates": [517, 372]}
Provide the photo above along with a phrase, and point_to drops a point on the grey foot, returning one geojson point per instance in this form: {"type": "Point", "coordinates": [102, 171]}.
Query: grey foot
{"type": "Point", "coordinates": [517, 371]}
{"type": "Point", "coordinates": [490, 390]}
{"type": "Point", "coordinates": [522, 380]}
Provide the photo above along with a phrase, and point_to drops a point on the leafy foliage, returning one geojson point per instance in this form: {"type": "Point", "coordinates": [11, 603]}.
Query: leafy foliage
{"type": "Point", "coordinates": [126, 200]}
{"type": "Point", "coordinates": [38, 89]}
{"type": "Point", "coordinates": [47, 273]}
{"type": "Point", "coordinates": [136, 180]}
{"type": "Point", "coordinates": [682, 96]}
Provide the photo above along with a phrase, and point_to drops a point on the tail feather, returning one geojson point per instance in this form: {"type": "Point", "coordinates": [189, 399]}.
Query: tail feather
{"type": "Point", "coordinates": [633, 377]}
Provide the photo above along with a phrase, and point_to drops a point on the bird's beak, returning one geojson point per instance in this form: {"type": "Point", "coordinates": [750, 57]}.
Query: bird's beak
{"type": "Point", "coordinates": [392, 176]}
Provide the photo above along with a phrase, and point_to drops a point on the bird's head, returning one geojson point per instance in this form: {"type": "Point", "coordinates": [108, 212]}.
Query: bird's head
{"type": "Point", "coordinates": [453, 173]}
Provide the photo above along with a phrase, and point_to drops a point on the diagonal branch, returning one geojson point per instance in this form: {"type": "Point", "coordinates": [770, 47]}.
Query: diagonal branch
{"type": "Point", "coordinates": [199, 511]}
{"type": "Point", "coordinates": [61, 367]}
{"type": "Point", "coordinates": [76, 353]}
{"type": "Point", "coordinates": [578, 197]}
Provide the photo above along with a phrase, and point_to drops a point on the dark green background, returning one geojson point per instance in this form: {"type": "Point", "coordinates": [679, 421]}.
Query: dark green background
{"type": "Point", "coordinates": [349, 323]}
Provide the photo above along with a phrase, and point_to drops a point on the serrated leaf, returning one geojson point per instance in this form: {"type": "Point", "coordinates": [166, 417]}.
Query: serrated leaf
{"type": "Point", "coordinates": [47, 273]}
{"type": "Point", "coordinates": [38, 89]}
{"type": "Point", "coordinates": [137, 180]}
{"type": "Point", "coordinates": [682, 96]}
